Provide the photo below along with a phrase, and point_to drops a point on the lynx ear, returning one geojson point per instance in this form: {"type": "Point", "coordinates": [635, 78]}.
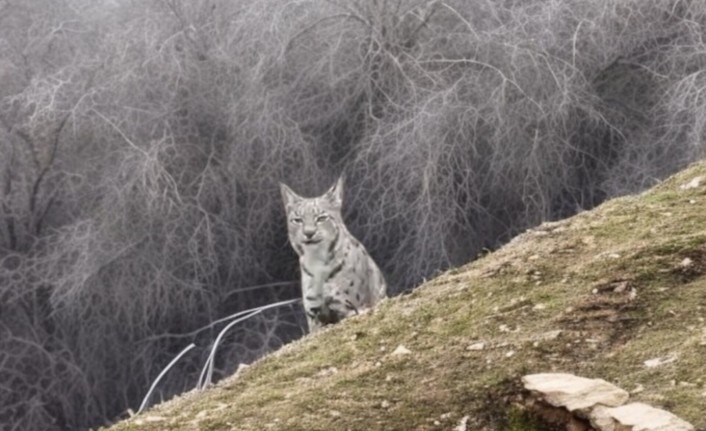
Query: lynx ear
{"type": "Point", "coordinates": [335, 193]}
{"type": "Point", "coordinates": [288, 196]}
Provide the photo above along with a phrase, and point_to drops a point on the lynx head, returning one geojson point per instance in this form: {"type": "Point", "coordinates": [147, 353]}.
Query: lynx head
{"type": "Point", "coordinates": [313, 221]}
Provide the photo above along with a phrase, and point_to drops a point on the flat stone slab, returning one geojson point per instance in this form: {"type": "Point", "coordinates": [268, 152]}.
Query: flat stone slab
{"type": "Point", "coordinates": [573, 392]}
{"type": "Point", "coordinates": [639, 417]}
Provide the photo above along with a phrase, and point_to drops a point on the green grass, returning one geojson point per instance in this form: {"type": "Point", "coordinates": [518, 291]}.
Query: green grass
{"type": "Point", "coordinates": [612, 280]}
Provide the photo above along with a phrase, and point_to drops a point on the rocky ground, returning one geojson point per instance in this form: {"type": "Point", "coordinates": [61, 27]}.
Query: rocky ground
{"type": "Point", "coordinates": [617, 293]}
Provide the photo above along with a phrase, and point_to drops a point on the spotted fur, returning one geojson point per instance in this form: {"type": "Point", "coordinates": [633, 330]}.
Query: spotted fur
{"type": "Point", "coordinates": [338, 277]}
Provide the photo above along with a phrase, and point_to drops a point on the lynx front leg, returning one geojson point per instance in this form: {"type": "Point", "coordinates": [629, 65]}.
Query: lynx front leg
{"type": "Point", "coordinates": [314, 324]}
{"type": "Point", "coordinates": [312, 300]}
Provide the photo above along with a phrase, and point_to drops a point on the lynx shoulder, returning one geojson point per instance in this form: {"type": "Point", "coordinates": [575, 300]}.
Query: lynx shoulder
{"type": "Point", "coordinates": [338, 277]}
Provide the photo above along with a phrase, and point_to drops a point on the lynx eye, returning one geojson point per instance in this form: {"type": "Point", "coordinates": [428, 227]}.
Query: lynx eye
{"type": "Point", "coordinates": [322, 218]}
{"type": "Point", "coordinates": [297, 220]}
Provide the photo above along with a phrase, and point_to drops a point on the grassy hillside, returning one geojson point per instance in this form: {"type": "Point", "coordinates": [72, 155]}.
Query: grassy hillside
{"type": "Point", "coordinates": [596, 295]}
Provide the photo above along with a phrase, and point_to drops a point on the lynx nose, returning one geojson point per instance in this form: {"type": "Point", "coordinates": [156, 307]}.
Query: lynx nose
{"type": "Point", "coordinates": [309, 232]}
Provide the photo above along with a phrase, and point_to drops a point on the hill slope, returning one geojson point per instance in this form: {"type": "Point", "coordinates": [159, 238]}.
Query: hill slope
{"type": "Point", "coordinates": [596, 295]}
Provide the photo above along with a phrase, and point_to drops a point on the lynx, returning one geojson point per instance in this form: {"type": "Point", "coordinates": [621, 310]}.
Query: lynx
{"type": "Point", "coordinates": [338, 277]}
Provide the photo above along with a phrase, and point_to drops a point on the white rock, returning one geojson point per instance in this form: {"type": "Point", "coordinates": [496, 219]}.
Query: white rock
{"type": "Point", "coordinates": [549, 335]}
{"type": "Point", "coordinates": [462, 424]}
{"type": "Point", "coordinates": [694, 183]}
{"type": "Point", "coordinates": [573, 392]}
{"type": "Point", "coordinates": [326, 372]}
{"type": "Point", "coordinates": [639, 388]}
{"type": "Point", "coordinates": [476, 346]}
{"type": "Point", "coordinates": [642, 417]}
{"type": "Point", "coordinates": [149, 419]}
{"type": "Point", "coordinates": [401, 350]}
{"type": "Point", "coordinates": [686, 263]}
{"type": "Point", "coordinates": [656, 362]}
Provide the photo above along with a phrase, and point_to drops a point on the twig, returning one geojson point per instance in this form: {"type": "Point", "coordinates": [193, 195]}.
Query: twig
{"type": "Point", "coordinates": [161, 374]}
{"type": "Point", "coordinates": [207, 371]}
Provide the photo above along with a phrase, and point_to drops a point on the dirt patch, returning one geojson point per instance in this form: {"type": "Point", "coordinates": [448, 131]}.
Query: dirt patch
{"type": "Point", "coordinates": [692, 266]}
{"type": "Point", "coordinates": [606, 314]}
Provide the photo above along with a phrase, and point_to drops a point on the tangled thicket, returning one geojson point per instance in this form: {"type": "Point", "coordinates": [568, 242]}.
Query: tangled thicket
{"type": "Point", "coordinates": [141, 143]}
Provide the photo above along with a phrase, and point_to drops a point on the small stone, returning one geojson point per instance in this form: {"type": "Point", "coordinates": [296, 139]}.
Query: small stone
{"type": "Point", "coordinates": [539, 307]}
{"type": "Point", "coordinates": [437, 423]}
{"type": "Point", "coordinates": [401, 350]}
{"type": "Point", "coordinates": [632, 295]}
{"type": "Point", "coordinates": [335, 413]}
{"type": "Point", "coordinates": [686, 263]}
{"type": "Point", "coordinates": [510, 354]}
{"type": "Point", "coordinates": [549, 335]}
{"type": "Point", "coordinates": [620, 287]}
{"type": "Point", "coordinates": [639, 388]}
{"type": "Point", "coordinates": [153, 419]}
{"type": "Point", "coordinates": [241, 368]}
{"type": "Point", "coordinates": [385, 404]}
{"type": "Point", "coordinates": [462, 425]}
{"type": "Point", "coordinates": [694, 183]}
{"type": "Point", "coordinates": [326, 372]}
{"type": "Point", "coordinates": [656, 362]}
{"type": "Point", "coordinates": [476, 346]}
